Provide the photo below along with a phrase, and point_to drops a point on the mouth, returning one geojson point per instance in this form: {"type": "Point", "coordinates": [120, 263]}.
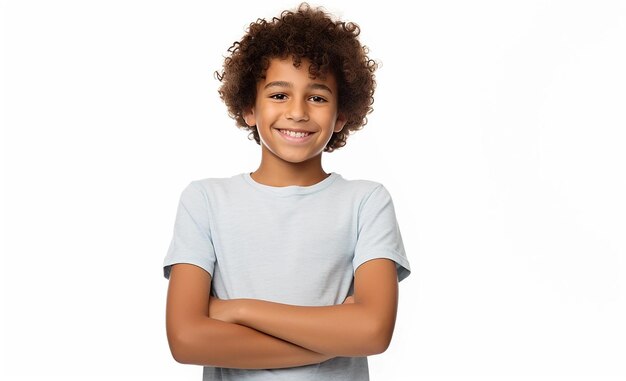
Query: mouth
{"type": "Point", "coordinates": [294, 134]}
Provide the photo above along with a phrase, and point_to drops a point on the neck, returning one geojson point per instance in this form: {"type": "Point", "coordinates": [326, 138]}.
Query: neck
{"type": "Point", "coordinates": [279, 173]}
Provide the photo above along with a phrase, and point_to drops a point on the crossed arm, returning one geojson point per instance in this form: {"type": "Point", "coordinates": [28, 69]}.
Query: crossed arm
{"type": "Point", "coordinates": [251, 333]}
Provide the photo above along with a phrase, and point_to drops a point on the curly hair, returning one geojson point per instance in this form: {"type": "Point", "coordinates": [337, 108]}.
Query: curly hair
{"type": "Point", "coordinates": [330, 45]}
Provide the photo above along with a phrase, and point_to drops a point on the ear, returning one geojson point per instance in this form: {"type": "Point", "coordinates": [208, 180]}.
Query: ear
{"type": "Point", "coordinates": [249, 117]}
{"type": "Point", "coordinates": [340, 122]}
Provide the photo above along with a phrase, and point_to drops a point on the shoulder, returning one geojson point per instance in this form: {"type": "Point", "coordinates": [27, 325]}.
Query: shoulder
{"type": "Point", "coordinates": [201, 191]}
{"type": "Point", "coordinates": [211, 184]}
{"type": "Point", "coordinates": [362, 195]}
{"type": "Point", "coordinates": [357, 185]}
{"type": "Point", "coordinates": [363, 189]}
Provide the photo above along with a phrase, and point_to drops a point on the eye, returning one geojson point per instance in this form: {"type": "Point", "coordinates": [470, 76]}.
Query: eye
{"type": "Point", "coordinates": [279, 96]}
{"type": "Point", "coordinates": [318, 99]}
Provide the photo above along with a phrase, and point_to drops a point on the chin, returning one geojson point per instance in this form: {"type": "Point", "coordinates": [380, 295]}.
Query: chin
{"type": "Point", "coordinates": [294, 160]}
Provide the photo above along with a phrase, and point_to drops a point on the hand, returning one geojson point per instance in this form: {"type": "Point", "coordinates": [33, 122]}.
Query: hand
{"type": "Point", "coordinates": [221, 309]}
{"type": "Point", "coordinates": [349, 300]}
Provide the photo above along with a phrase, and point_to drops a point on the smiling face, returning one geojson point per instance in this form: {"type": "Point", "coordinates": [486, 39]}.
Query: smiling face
{"type": "Point", "coordinates": [294, 114]}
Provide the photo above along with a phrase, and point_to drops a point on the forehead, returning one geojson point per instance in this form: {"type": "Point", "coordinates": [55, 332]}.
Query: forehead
{"type": "Point", "coordinates": [283, 69]}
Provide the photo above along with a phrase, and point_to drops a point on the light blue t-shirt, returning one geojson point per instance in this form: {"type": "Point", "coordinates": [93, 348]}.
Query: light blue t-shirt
{"type": "Point", "coordinates": [297, 245]}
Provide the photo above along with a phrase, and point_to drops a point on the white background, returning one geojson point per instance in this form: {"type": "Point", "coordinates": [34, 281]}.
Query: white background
{"type": "Point", "coordinates": [498, 129]}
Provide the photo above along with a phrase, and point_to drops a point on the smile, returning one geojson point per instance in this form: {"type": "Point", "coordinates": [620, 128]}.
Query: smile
{"type": "Point", "coordinates": [294, 134]}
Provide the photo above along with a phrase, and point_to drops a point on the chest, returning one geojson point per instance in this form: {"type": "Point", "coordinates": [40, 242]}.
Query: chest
{"type": "Point", "coordinates": [296, 242]}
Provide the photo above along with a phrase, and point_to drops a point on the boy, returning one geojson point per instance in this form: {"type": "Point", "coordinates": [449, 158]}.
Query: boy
{"type": "Point", "coordinates": [288, 272]}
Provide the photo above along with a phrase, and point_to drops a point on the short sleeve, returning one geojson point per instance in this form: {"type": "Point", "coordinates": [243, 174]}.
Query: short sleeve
{"type": "Point", "coordinates": [191, 242]}
{"type": "Point", "coordinates": [379, 234]}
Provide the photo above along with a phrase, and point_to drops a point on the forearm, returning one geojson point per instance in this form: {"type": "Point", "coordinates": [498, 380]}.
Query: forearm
{"type": "Point", "coordinates": [363, 325]}
{"type": "Point", "coordinates": [338, 330]}
{"type": "Point", "coordinates": [216, 343]}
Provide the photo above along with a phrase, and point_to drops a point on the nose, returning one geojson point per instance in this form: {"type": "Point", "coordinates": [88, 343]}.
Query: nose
{"type": "Point", "coordinates": [297, 111]}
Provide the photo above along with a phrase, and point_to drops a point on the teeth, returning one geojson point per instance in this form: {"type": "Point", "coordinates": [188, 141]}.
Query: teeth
{"type": "Point", "coordinates": [294, 133]}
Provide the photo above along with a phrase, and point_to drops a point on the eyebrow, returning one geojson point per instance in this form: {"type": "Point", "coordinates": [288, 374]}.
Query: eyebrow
{"type": "Point", "coordinates": [313, 86]}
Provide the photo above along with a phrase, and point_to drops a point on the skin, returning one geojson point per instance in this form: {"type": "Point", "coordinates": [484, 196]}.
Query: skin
{"type": "Point", "coordinates": [251, 333]}
{"type": "Point", "coordinates": [288, 99]}
{"type": "Point", "coordinates": [196, 338]}
{"type": "Point", "coordinates": [362, 326]}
